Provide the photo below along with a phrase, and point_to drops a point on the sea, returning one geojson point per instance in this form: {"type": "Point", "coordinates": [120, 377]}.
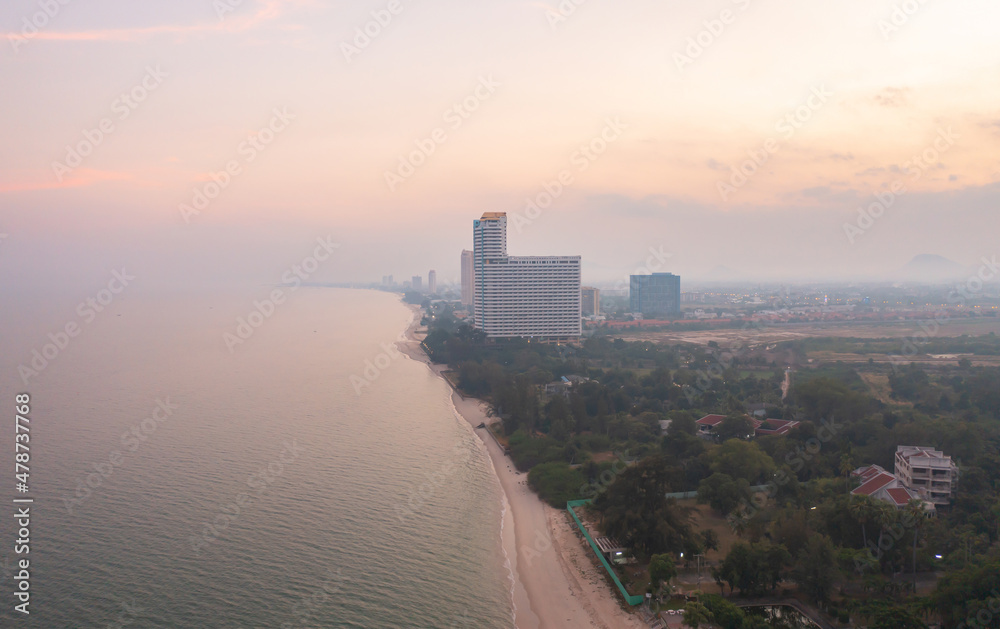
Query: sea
{"type": "Point", "coordinates": [221, 460]}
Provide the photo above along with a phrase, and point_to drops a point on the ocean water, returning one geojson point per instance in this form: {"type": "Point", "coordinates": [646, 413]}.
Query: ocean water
{"type": "Point", "coordinates": [181, 484]}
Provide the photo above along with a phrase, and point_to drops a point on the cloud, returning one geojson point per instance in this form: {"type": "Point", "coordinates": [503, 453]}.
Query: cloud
{"type": "Point", "coordinates": [268, 11]}
{"type": "Point", "coordinates": [829, 195]}
{"type": "Point", "coordinates": [893, 97]}
{"type": "Point", "coordinates": [895, 169]}
{"type": "Point", "coordinates": [991, 125]}
{"type": "Point", "coordinates": [25, 181]}
{"type": "Point", "coordinates": [817, 192]}
{"type": "Point", "coordinates": [543, 6]}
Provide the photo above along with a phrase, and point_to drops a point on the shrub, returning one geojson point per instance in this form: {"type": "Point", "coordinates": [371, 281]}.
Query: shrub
{"type": "Point", "coordinates": [556, 482]}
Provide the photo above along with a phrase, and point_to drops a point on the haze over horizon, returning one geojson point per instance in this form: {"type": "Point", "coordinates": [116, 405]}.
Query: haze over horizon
{"type": "Point", "coordinates": [846, 96]}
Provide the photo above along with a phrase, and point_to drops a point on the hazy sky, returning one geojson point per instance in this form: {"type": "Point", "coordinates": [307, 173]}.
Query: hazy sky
{"type": "Point", "coordinates": [844, 100]}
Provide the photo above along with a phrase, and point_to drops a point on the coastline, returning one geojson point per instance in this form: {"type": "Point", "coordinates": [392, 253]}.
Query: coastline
{"type": "Point", "coordinates": [556, 581]}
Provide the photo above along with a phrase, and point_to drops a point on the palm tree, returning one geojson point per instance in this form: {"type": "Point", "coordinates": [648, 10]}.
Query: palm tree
{"type": "Point", "coordinates": [915, 510]}
{"type": "Point", "coordinates": [884, 516]}
{"type": "Point", "coordinates": [846, 467]}
{"type": "Point", "coordinates": [863, 510]}
{"type": "Point", "coordinates": [739, 522]}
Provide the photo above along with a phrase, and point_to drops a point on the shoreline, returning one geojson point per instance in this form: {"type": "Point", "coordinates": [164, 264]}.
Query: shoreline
{"type": "Point", "coordinates": [556, 583]}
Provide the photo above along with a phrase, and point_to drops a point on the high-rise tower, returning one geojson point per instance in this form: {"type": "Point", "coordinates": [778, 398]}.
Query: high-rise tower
{"type": "Point", "coordinates": [524, 296]}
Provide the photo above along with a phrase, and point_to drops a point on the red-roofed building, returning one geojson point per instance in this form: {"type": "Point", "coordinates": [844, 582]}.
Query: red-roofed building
{"type": "Point", "coordinates": [775, 427]}
{"type": "Point", "coordinates": [707, 424]}
{"type": "Point", "coordinates": [867, 473]}
{"type": "Point", "coordinates": [901, 496]}
{"type": "Point", "coordinates": [877, 480]}
{"type": "Point", "coordinates": [881, 485]}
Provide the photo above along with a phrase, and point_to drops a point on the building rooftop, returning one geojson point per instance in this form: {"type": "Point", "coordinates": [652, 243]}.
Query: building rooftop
{"type": "Point", "coordinates": [923, 456]}
{"type": "Point", "coordinates": [776, 426]}
{"type": "Point", "coordinates": [908, 451]}
{"type": "Point", "coordinates": [875, 484]}
{"type": "Point", "coordinates": [711, 420]}
{"type": "Point", "coordinates": [900, 495]}
{"type": "Point", "coordinates": [608, 545]}
{"type": "Point", "coordinates": [868, 472]}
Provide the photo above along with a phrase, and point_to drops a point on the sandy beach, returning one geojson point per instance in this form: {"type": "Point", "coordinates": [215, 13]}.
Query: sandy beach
{"type": "Point", "coordinates": [557, 581]}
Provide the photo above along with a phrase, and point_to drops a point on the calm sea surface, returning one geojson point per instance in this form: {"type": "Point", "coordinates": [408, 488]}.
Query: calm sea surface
{"type": "Point", "coordinates": [178, 484]}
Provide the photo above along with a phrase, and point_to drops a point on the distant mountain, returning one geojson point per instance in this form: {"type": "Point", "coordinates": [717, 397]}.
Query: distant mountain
{"type": "Point", "coordinates": [930, 268]}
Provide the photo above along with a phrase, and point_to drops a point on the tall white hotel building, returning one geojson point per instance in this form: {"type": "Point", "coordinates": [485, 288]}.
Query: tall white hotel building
{"type": "Point", "coordinates": [525, 296]}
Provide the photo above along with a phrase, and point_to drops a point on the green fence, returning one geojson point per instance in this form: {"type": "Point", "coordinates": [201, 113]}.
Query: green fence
{"type": "Point", "coordinates": [682, 495]}
{"type": "Point", "coordinates": [629, 598]}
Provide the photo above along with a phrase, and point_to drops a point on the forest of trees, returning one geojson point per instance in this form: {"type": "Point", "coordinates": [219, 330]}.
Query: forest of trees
{"type": "Point", "coordinates": [806, 528]}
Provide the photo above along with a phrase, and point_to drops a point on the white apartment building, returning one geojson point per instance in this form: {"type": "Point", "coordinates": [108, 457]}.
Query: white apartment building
{"type": "Point", "coordinates": [928, 471]}
{"type": "Point", "coordinates": [522, 296]}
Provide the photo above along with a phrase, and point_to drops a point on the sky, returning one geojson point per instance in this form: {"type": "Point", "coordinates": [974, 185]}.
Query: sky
{"type": "Point", "coordinates": [205, 142]}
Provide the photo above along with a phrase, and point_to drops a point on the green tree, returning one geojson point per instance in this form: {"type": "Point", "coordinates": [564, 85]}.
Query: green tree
{"type": "Point", "coordinates": [696, 615]}
{"type": "Point", "coordinates": [661, 570]}
{"type": "Point", "coordinates": [847, 466]}
{"type": "Point", "coordinates": [556, 482]}
{"type": "Point", "coordinates": [791, 527]}
{"type": "Point", "coordinates": [578, 408]}
{"type": "Point", "coordinates": [560, 418]}
{"type": "Point", "coordinates": [884, 515]}
{"type": "Point", "coordinates": [724, 613]}
{"type": "Point", "coordinates": [888, 615]}
{"type": "Point", "coordinates": [681, 423]}
{"type": "Point", "coordinates": [915, 518]}
{"type": "Point", "coordinates": [635, 509]}
{"type": "Point", "coordinates": [969, 593]}
{"type": "Point", "coordinates": [754, 569]}
{"type": "Point", "coordinates": [814, 568]}
{"type": "Point", "coordinates": [710, 540]}
{"type": "Point", "coordinates": [734, 426]}
{"type": "Point", "coordinates": [775, 558]}
{"type": "Point", "coordinates": [742, 459]}
{"type": "Point", "coordinates": [723, 493]}
{"type": "Point", "coordinates": [863, 509]}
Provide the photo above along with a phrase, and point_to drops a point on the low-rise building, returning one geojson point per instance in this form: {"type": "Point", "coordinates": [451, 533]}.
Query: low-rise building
{"type": "Point", "coordinates": [881, 485]}
{"type": "Point", "coordinates": [612, 549]}
{"type": "Point", "coordinates": [707, 426]}
{"type": "Point", "coordinates": [774, 427]}
{"type": "Point", "coordinates": [564, 384]}
{"type": "Point", "coordinates": [928, 470]}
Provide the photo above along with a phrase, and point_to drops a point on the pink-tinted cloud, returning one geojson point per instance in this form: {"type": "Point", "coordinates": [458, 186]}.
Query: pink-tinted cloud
{"type": "Point", "coordinates": [268, 11]}
{"type": "Point", "coordinates": [26, 180]}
